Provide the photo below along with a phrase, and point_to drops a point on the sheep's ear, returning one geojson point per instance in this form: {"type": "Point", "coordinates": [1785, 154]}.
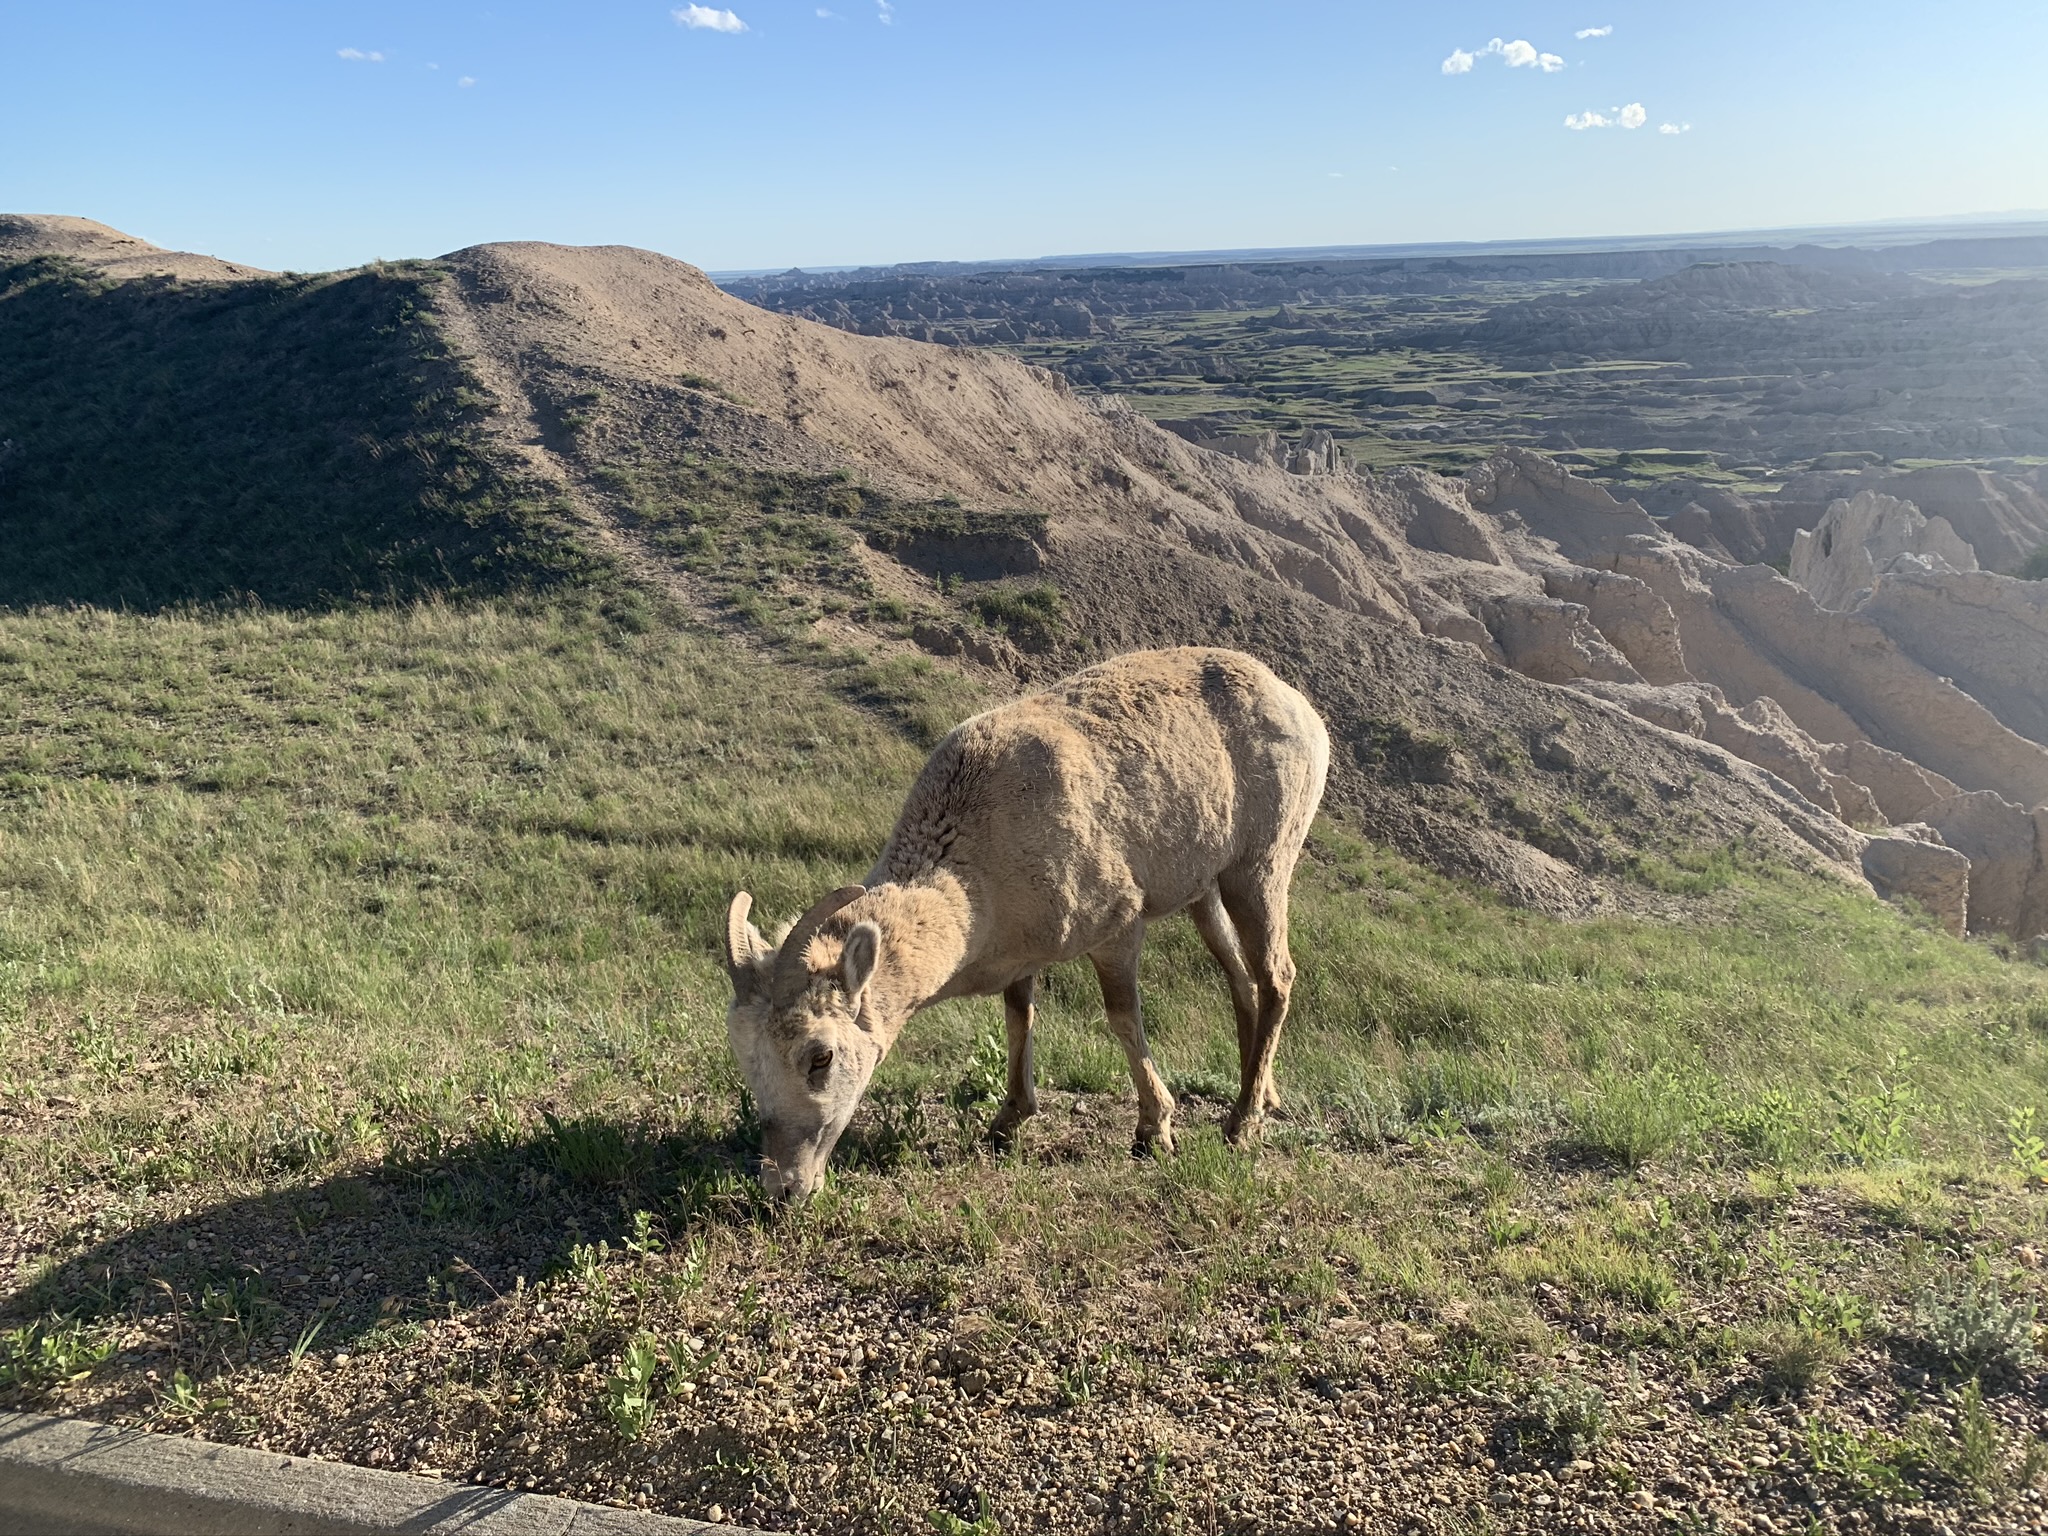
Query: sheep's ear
{"type": "Point", "coordinates": [744, 948]}
{"type": "Point", "coordinates": [857, 957]}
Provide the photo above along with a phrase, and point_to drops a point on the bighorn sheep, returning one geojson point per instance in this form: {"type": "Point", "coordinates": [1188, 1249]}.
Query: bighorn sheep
{"type": "Point", "coordinates": [1056, 825]}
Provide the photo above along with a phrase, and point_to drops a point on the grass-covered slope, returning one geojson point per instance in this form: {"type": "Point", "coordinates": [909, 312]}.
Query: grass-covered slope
{"type": "Point", "coordinates": [363, 1092]}
{"type": "Point", "coordinates": [296, 440]}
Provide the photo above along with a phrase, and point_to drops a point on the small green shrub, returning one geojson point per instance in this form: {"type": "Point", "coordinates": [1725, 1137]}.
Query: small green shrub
{"type": "Point", "coordinates": [629, 1392]}
{"type": "Point", "coordinates": [1792, 1359]}
{"type": "Point", "coordinates": [987, 1075]}
{"type": "Point", "coordinates": [588, 1150]}
{"type": "Point", "coordinates": [2027, 1149]}
{"type": "Point", "coordinates": [1033, 615]}
{"type": "Point", "coordinates": [47, 1353]}
{"type": "Point", "coordinates": [1561, 1417]}
{"type": "Point", "coordinates": [1869, 1465]}
{"type": "Point", "coordinates": [893, 1136]}
{"type": "Point", "coordinates": [1879, 1126]}
{"type": "Point", "coordinates": [1970, 1325]}
{"type": "Point", "coordinates": [1769, 1127]}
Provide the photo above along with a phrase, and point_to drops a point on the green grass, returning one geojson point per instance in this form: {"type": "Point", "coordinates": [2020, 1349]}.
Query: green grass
{"type": "Point", "coordinates": [370, 851]}
{"type": "Point", "coordinates": [404, 919]}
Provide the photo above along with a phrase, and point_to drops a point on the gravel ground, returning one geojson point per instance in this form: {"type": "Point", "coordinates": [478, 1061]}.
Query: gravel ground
{"type": "Point", "coordinates": [1318, 1340]}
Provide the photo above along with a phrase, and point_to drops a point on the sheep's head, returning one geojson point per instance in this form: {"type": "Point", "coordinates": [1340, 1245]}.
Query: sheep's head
{"type": "Point", "coordinates": [799, 1026]}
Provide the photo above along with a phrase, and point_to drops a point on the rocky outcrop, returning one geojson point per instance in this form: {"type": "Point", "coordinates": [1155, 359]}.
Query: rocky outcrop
{"type": "Point", "coordinates": [2004, 519]}
{"type": "Point", "coordinates": [1913, 863]}
{"type": "Point", "coordinates": [1581, 518]}
{"type": "Point", "coordinates": [1901, 787]}
{"type": "Point", "coordinates": [1554, 642]}
{"type": "Point", "coordinates": [1893, 697]}
{"type": "Point", "coordinates": [1743, 530]}
{"type": "Point", "coordinates": [1988, 633]}
{"type": "Point", "coordinates": [1317, 453]}
{"type": "Point", "coordinates": [1434, 517]}
{"type": "Point", "coordinates": [2004, 844]}
{"type": "Point", "coordinates": [1867, 536]}
{"type": "Point", "coordinates": [1633, 618]}
{"type": "Point", "coordinates": [1760, 733]}
{"type": "Point", "coordinates": [1757, 635]}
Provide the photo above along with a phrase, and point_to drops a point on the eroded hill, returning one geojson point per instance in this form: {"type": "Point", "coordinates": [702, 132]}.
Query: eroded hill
{"type": "Point", "coordinates": [1531, 683]}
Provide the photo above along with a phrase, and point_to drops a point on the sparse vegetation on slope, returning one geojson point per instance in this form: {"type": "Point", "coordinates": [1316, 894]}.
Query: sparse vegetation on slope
{"type": "Point", "coordinates": [363, 1093]}
{"type": "Point", "coordinates": [295, 440]}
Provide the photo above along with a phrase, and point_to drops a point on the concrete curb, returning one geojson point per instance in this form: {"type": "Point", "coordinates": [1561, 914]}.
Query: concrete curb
{"type": "Point", "coordinates": [71, 1477]}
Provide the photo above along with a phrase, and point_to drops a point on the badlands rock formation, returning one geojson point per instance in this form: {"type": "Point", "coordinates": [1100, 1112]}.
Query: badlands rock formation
{"type": "Point", "coordinates": [1915, 579]}
{"type": "Point", "coordinates": [1868, 536]}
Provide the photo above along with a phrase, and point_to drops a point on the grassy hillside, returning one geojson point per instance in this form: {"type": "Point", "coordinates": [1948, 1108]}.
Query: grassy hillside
{"type": "Point", "coordinates": [363, 1092]}
{"type": "Point", "coordinates": [297, 440]}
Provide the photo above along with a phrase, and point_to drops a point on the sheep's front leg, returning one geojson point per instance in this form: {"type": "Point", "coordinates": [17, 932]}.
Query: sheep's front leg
{"type": "Point", "coordinates": [1020, 1101]}
{"type": "Point", "coordinates": [1116, 967]}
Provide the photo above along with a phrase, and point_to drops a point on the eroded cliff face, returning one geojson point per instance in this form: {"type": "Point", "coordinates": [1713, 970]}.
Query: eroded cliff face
{"type": "Point", "coordinates": [1988, 633]}
{"type": "Point", "coordinates": [1892, 681]}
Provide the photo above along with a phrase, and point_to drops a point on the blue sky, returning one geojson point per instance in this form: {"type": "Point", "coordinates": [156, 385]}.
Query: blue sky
{"type": "Point", "coordinates": [318, 133]}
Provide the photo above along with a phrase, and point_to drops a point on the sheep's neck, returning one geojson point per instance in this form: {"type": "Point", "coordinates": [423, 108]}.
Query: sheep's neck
{"type": "Point", "coordinates": [927, 927]}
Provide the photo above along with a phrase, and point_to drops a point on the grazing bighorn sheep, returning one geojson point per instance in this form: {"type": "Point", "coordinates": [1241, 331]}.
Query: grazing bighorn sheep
{"type": "Point", "coordinates": [1054, 826]}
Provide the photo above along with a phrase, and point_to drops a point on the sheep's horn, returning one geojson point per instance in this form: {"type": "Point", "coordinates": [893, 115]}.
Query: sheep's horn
{"type": "Point", "coordinates": [739, 948]}
{"type": "Point", "coordinates": [792, 975]}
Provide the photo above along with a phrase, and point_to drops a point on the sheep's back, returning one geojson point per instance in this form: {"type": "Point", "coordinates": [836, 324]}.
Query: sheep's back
{"type": "Point", "coordinates": [1128, 786]}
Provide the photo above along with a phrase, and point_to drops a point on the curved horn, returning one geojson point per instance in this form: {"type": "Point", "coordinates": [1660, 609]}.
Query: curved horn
{"type": "Point", "coordinates": [792, 975]}
{"type": "Point", "coordinates": [739, 948]}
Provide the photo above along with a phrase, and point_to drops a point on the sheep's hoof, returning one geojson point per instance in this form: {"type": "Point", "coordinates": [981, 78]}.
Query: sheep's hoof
{"type": "Point", "coordinates": [1002, 1131]}
{"type": "Point", "coordinates": [1153, 1143]}
{"type": "Point", "coordinates": [1242, 1130]}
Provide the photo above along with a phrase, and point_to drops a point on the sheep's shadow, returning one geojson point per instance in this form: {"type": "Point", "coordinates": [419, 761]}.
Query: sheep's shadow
{"type": "Point", "coordinates": [413, 1236]}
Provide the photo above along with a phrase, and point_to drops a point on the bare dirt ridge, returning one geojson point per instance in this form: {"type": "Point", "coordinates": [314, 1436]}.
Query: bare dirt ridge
{"type": "Point", "coordinates": [27, 235]}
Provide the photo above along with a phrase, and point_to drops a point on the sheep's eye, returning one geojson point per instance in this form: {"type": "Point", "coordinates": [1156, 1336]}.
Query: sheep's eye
{"type": "Point", "coordinates": [821, 1068]}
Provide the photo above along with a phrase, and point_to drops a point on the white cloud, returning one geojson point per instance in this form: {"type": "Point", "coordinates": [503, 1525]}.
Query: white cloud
{"type": "Point", "coordinates": [885, 12]}
{"type": "Point", "coordinates": [702, 18]}
{"type": "Point", "coordinates": [1674, 127]}
{"type": "Point", "coordinates": [1631, 117]}
{"type": "Point", "coordinates": [358, 56]}
{"type": "Point", "coordinates": [465, 82]}
{"type": "Point", "coordinates": [1519, 54]}
{"type": "Point", "coordinates": [1585, 32]}
{"type": "Point", "coordinates": [823, 14]}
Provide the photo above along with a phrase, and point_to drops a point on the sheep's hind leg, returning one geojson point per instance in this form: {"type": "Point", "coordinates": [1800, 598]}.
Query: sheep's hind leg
{"type": "Point", "coordinates": [1116, 968]}
{"type": "Point", "coordinates": [1020, 1102]}
{"type": "Point", "coordinates": [1259, 910]}
{"type": "Point", "coordinates": [1213, 923]}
